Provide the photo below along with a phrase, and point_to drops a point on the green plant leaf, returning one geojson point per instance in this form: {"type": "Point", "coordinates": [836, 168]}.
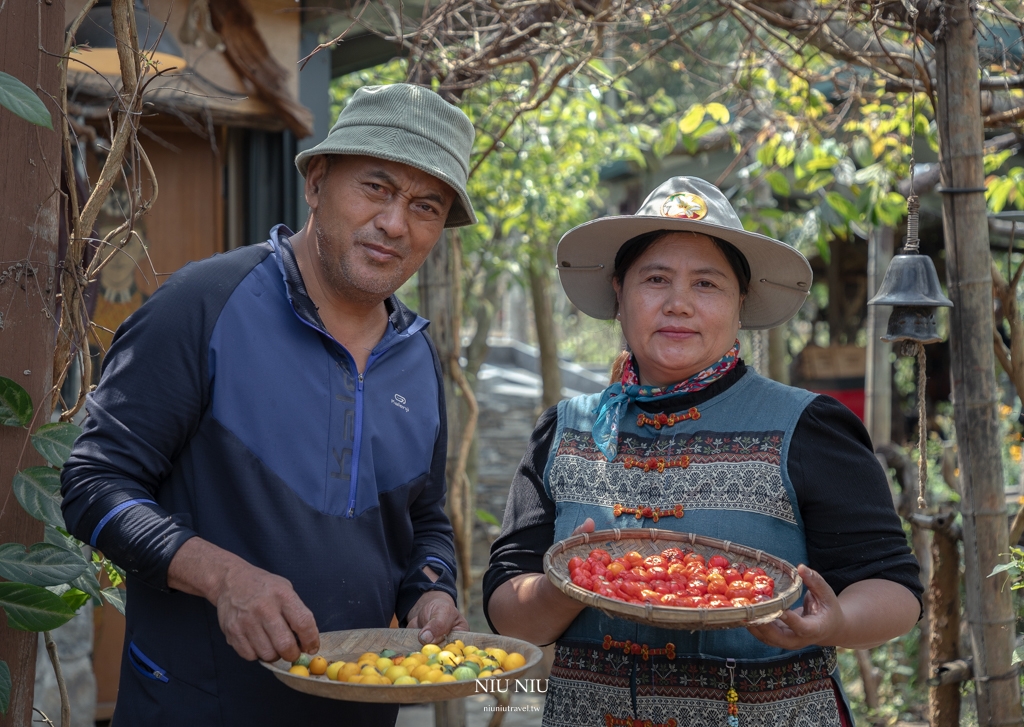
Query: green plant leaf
{"type": "Point", "coordinates": [115, 597]}
{"type": "Point", "coordinates": [5, 687]}
{"type": "Point", "coordinates": [691, 120]}
{"type": "Point", "coordinates": [718, 112]}
{"type": "Point", "coordinates": [32, 608]}
{"type": "Point", "coordinates": [89, 583]}
{"type": "Point", "coordinates": [42, 564]}
{"type": "Point", "coordinates": [54, 441]}
{"type": "Point", "coordinates": [1002, 568]}
{"type": "Point", "coordinates": [115, 574]}
{"type": "Point", "coordinates": [15, 404]}
{"type": "Point", "coordinates": [75, 598]}
{"type": "Point", "coordinates": [38, 491]}
{"type": "Point", "coordinates": [842, 205]}
{"type": "Point", "coordinates": [778, 182]}
{"type": "Point", "coordinates": [19, 99]}
{"type": "Point", "coordinates": [485, 516]}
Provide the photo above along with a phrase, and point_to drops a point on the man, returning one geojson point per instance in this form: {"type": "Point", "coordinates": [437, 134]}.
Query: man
{"type": "Point", "coordinates": [265, 451]}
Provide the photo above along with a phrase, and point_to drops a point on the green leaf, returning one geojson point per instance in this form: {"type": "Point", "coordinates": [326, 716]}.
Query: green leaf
{"type": "Point", "coordinates": [862, 153]}
{"type": "Point", "coordinates": [785, 155]}
{"type": "Point", "coordinates": [89, 583]}
{"type": "Point", "coordinates": [705, 126]}
{"type": "Point", "coordinates": [691, 120]}
{"type": "Point", "coordinates": [487, 517]}
{"type": "Point", "coordinates": [5, 687]}
{"type": "Point", "coordinates": [816, 181]}
{"type": "Point", "coordinates": [778, 182]}
{"type": "Point", "coordinates": [42, 564]}
{"type": "Point", "coordinates": [15, 404]}
{"type": "Point", "coordinates": [38, 491]}
{"type": "Point", "coordinates": [718, 112]}
{"type": "Point", "coordinates": [54, 441]}
{"type": "Point", "coordinates": [842, 205]}
{"type": "Point", "coordinates": [31, 608]}
{"type": "Point", "coordinates": [116, 598]}
{"type": "Point", "coordinates": [115, 574]}
{"type": "Point", "coordinates": [1003, 568]}
{"type": "Point", "coordinates": [19, 99]}
{"type": "Point", "coordinates": [75, 598]}
{"type": "Point", "coordinates": [766, 154]}
{"type": "Point", "coordinates": [667, 140]}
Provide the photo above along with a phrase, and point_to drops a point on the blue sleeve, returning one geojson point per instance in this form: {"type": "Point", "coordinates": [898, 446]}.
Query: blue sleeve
{"type": "Point", "coordinates": [433, 538]}
{"type": "Point", "coordinates": [148, 405]}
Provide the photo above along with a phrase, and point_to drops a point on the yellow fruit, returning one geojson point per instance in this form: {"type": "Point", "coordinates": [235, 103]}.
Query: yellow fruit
{"type": "Point", "coordinates": [406, 680]}
{"type": "Point", "coordinates": [447, 658]}
{"type": "Point", "coordinates": [475, 659]}
{"type": "Point", "coordinates": [445, 678]}
{"type": "Point", "coordinates": [385, 680]}
{"type": "Point", "coordinates": [484, 674]}
{"type": "Point", "coordinates": [383, 664]}
{"type": "Point", "coordinates": [372, 679]}
{"type": "Point", "coordinates": [414, 659]}
{"type": "Point", "coordinates": [513, 661]}
{"type": "Point", "coordinates": [300, 670]}
{"type": "Point", "coordinates": [467, 650]}
{"type": "Point", "coordinates": [334, 670]}
{"type": "Point", "coordinates": [433, 676]}
{"type": "Point", "coordinates": [497, 653]}
{"type": "Point", "coordinates": [351, 669]}
{"type": "Point", "coordinates": [355, 679]}
{"type": "Point", "coordinates": [429, 649]}
{"type": "Point", "coordinates": [368, 655]}
{"type": "Point", "coordinates": [458, 642]}
{"type": "Point", "coordinates": [317, 665]}
{"type": "Point", "coordinates": [370, 670]}
{"type": "Point", "coordinates": [420, 671]}
{"type": "Point", "coordinates": [496, 672]}
{"type": "Point", "coordinates": [395, 672]}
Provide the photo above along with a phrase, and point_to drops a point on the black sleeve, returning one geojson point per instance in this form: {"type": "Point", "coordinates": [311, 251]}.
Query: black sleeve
{"type": "Point", "coordinates": [148, 405]}
{"type": "Point", "coordinates": [528, 528]}
{"type": "Point", "coordinates": [853, 532]}
{"type": "Point", "coordinates": [433, 539]}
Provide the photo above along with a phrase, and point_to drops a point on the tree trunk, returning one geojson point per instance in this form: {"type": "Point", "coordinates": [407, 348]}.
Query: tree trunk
{"type": "Point", "coordinates": [547, 342]}
{"type": "Point", "coordinates": [777, 349]}
{"type": "Point", "coordinates": [878, 377]}
{"type": "Point", "coordinates": [30, 193]}
{"type": "Point", "coordinates": [944, 612]}
{"type": "Point", "coordinates": [989, 605]}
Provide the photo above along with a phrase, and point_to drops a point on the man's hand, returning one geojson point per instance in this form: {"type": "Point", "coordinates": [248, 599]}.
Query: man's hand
{"type": "Point", "coordinates": [436, 616]}
{"type": "Point", "coordinates": [820, 621]}
{"type": "Point", "coordinates": [259, 612]}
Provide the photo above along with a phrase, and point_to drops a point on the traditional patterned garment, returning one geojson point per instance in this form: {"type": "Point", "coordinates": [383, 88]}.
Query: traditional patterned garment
{"type": "Point", "coordinates": [616, 398]}
{"type": "Point", "coordinates": [724, 470]}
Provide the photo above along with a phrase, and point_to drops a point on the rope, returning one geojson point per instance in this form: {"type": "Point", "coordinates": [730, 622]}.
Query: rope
{"type": "Point", "coordinates": [922, 429]}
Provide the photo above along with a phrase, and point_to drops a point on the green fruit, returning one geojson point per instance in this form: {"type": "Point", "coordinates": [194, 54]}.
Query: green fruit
{"type": "Point", "coordinates": [303, 660]}
{"type": "Point", "coordinates": [464, 674]}
{"type": "Point", "coordinates": [471, 665]}
{"type": "Point", "coordinates": [388, 654]}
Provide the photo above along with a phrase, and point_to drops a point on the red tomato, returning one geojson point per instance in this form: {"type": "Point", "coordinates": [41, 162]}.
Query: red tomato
{"type": "Point", "coordinates": [719, 602]}
{"type": "Point", "coordinates": [657, 572]}
{"type": "Point", "coordinates": [672, 554]}
{"type": "Point", "coordinates": [661, 586]}
{"type": "Point", "coordinates": [697, 586]}
{"type": "Point", "coordinates": [741, 602]}
{"type": "Point", "coordinates": [650, 596]}
{"type": "Point", "coordinates": [737, 591]}
{"type": "Point", "coordinates": [755, 571]}
{"type": "Point", "coordinates": [678, 587]}
{"type": "Point", "coordinates": [760, 598]}
{"type": "Point", "coordinates": [693, 558]}
{"type": "Point", "coordinates": [581, 580]}
{"type": "Point", "coordinates": [640, 573]}
{"type": "Point", "coordinates": [598, 569]}
{"type": "Point", "coordinates": [741, 567]}
{"type": "Point", "coordinates": [677, 569]}
{"type": "Point", "coordinates": [731, 574]}
{"type": "Point", "coordinates": [718, 561]}
{"type": "Point", "coordinates": [653, 560]}
{"type": "Point", "coordinates": [633, 589]}
{"type": "Point", "coordinates": [763, 588]}
{"type": "Point", "coordinates": [574, 563]}
{"type": "Point", "coordinates": [691, 602]}
{"type": "Point", "coordinates": [633, 559]}
{"type": "Point", "coordinates": [601, 555]}
{"type": "Point", "coordinates": [670, 599]}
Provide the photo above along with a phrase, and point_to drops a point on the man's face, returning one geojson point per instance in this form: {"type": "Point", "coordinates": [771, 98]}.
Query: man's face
{"type": "Point", "coordinates": [375, 220]}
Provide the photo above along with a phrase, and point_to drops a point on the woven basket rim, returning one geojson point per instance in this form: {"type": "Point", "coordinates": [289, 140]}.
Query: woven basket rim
{"type": "Point", "coordinates": [675, 616]}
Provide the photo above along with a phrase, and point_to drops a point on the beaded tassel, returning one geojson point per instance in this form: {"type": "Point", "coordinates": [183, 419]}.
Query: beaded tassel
{"type": "Point", "coordinates": [732, 696]}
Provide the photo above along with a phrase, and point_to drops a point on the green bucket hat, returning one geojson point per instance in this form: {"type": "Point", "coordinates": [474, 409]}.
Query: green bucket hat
{"type": "Point", "coordinates": [409, 125]}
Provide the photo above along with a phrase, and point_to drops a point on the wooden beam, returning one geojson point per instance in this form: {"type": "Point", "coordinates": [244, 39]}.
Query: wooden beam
{"type": "Point", "coordinates": [31, 35]}
{"type": "Point", "coordinates": [989, 605]}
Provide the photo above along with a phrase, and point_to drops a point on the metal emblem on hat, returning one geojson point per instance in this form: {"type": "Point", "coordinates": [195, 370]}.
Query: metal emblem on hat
{"type": "Point", "coordinates": [685, 205]}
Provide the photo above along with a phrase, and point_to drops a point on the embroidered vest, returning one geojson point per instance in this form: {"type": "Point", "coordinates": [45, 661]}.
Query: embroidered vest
{"type": "Point", "coordinates": [722, 474]}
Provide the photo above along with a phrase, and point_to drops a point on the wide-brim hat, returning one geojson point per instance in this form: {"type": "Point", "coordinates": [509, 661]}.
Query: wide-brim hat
{"type": "Point", "coordinates": [780, 277]}
{"type": "Point", "coordinates": [409, 125]}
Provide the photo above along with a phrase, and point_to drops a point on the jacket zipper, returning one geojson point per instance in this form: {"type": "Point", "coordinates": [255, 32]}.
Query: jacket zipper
{"type": "Point", "coordinates": [357, 440]}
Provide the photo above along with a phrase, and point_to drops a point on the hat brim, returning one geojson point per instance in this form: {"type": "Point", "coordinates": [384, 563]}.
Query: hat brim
{"type": "Point", "coordinates": [780, 277]}
{"type": "Point", "coordinates": [354, 140]}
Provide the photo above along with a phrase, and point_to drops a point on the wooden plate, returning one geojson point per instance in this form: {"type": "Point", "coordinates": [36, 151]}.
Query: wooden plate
{"type": "Point", "coordinates": [349, 645]}
{"type": "Point", "coordinates": [650, 541]}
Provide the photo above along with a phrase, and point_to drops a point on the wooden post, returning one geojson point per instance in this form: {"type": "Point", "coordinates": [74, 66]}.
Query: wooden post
{"type": "Point", "coordinates": [878, 376]}
{"type": "Point", "coordinates": [29, 188]}
{"type": "Point", "coordinates": [989, 606]}
{"type": "Point", "coordinates": [944, 607]}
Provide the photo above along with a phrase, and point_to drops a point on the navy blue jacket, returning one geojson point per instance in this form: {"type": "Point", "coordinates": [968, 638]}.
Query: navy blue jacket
{"type": "Point", "coordinates": [226, 411]}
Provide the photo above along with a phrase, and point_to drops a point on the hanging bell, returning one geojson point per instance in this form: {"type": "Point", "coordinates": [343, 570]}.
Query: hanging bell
{"type": "Point", "coordinates": [911, 287]}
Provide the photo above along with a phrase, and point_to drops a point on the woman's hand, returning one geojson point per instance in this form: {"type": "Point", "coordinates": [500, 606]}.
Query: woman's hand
{"type": "Point", "coordinates": [820, 621]}
{"type": "Point", "coordinates": [586, 527]}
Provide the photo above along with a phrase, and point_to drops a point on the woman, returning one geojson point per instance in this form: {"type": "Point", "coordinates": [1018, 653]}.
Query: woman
{"type": "Point", "coordinates": [747, 459]}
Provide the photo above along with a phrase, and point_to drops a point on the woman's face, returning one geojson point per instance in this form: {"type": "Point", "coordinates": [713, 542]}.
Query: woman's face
{"type": "Point", "coordinates": [679, 307]}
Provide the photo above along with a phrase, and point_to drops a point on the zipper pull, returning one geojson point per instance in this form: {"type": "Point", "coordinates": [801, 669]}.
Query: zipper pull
{"type": "Point", "coordinates": [351, 511]}
{"type": "Point", "coordinates": [360, 382]}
